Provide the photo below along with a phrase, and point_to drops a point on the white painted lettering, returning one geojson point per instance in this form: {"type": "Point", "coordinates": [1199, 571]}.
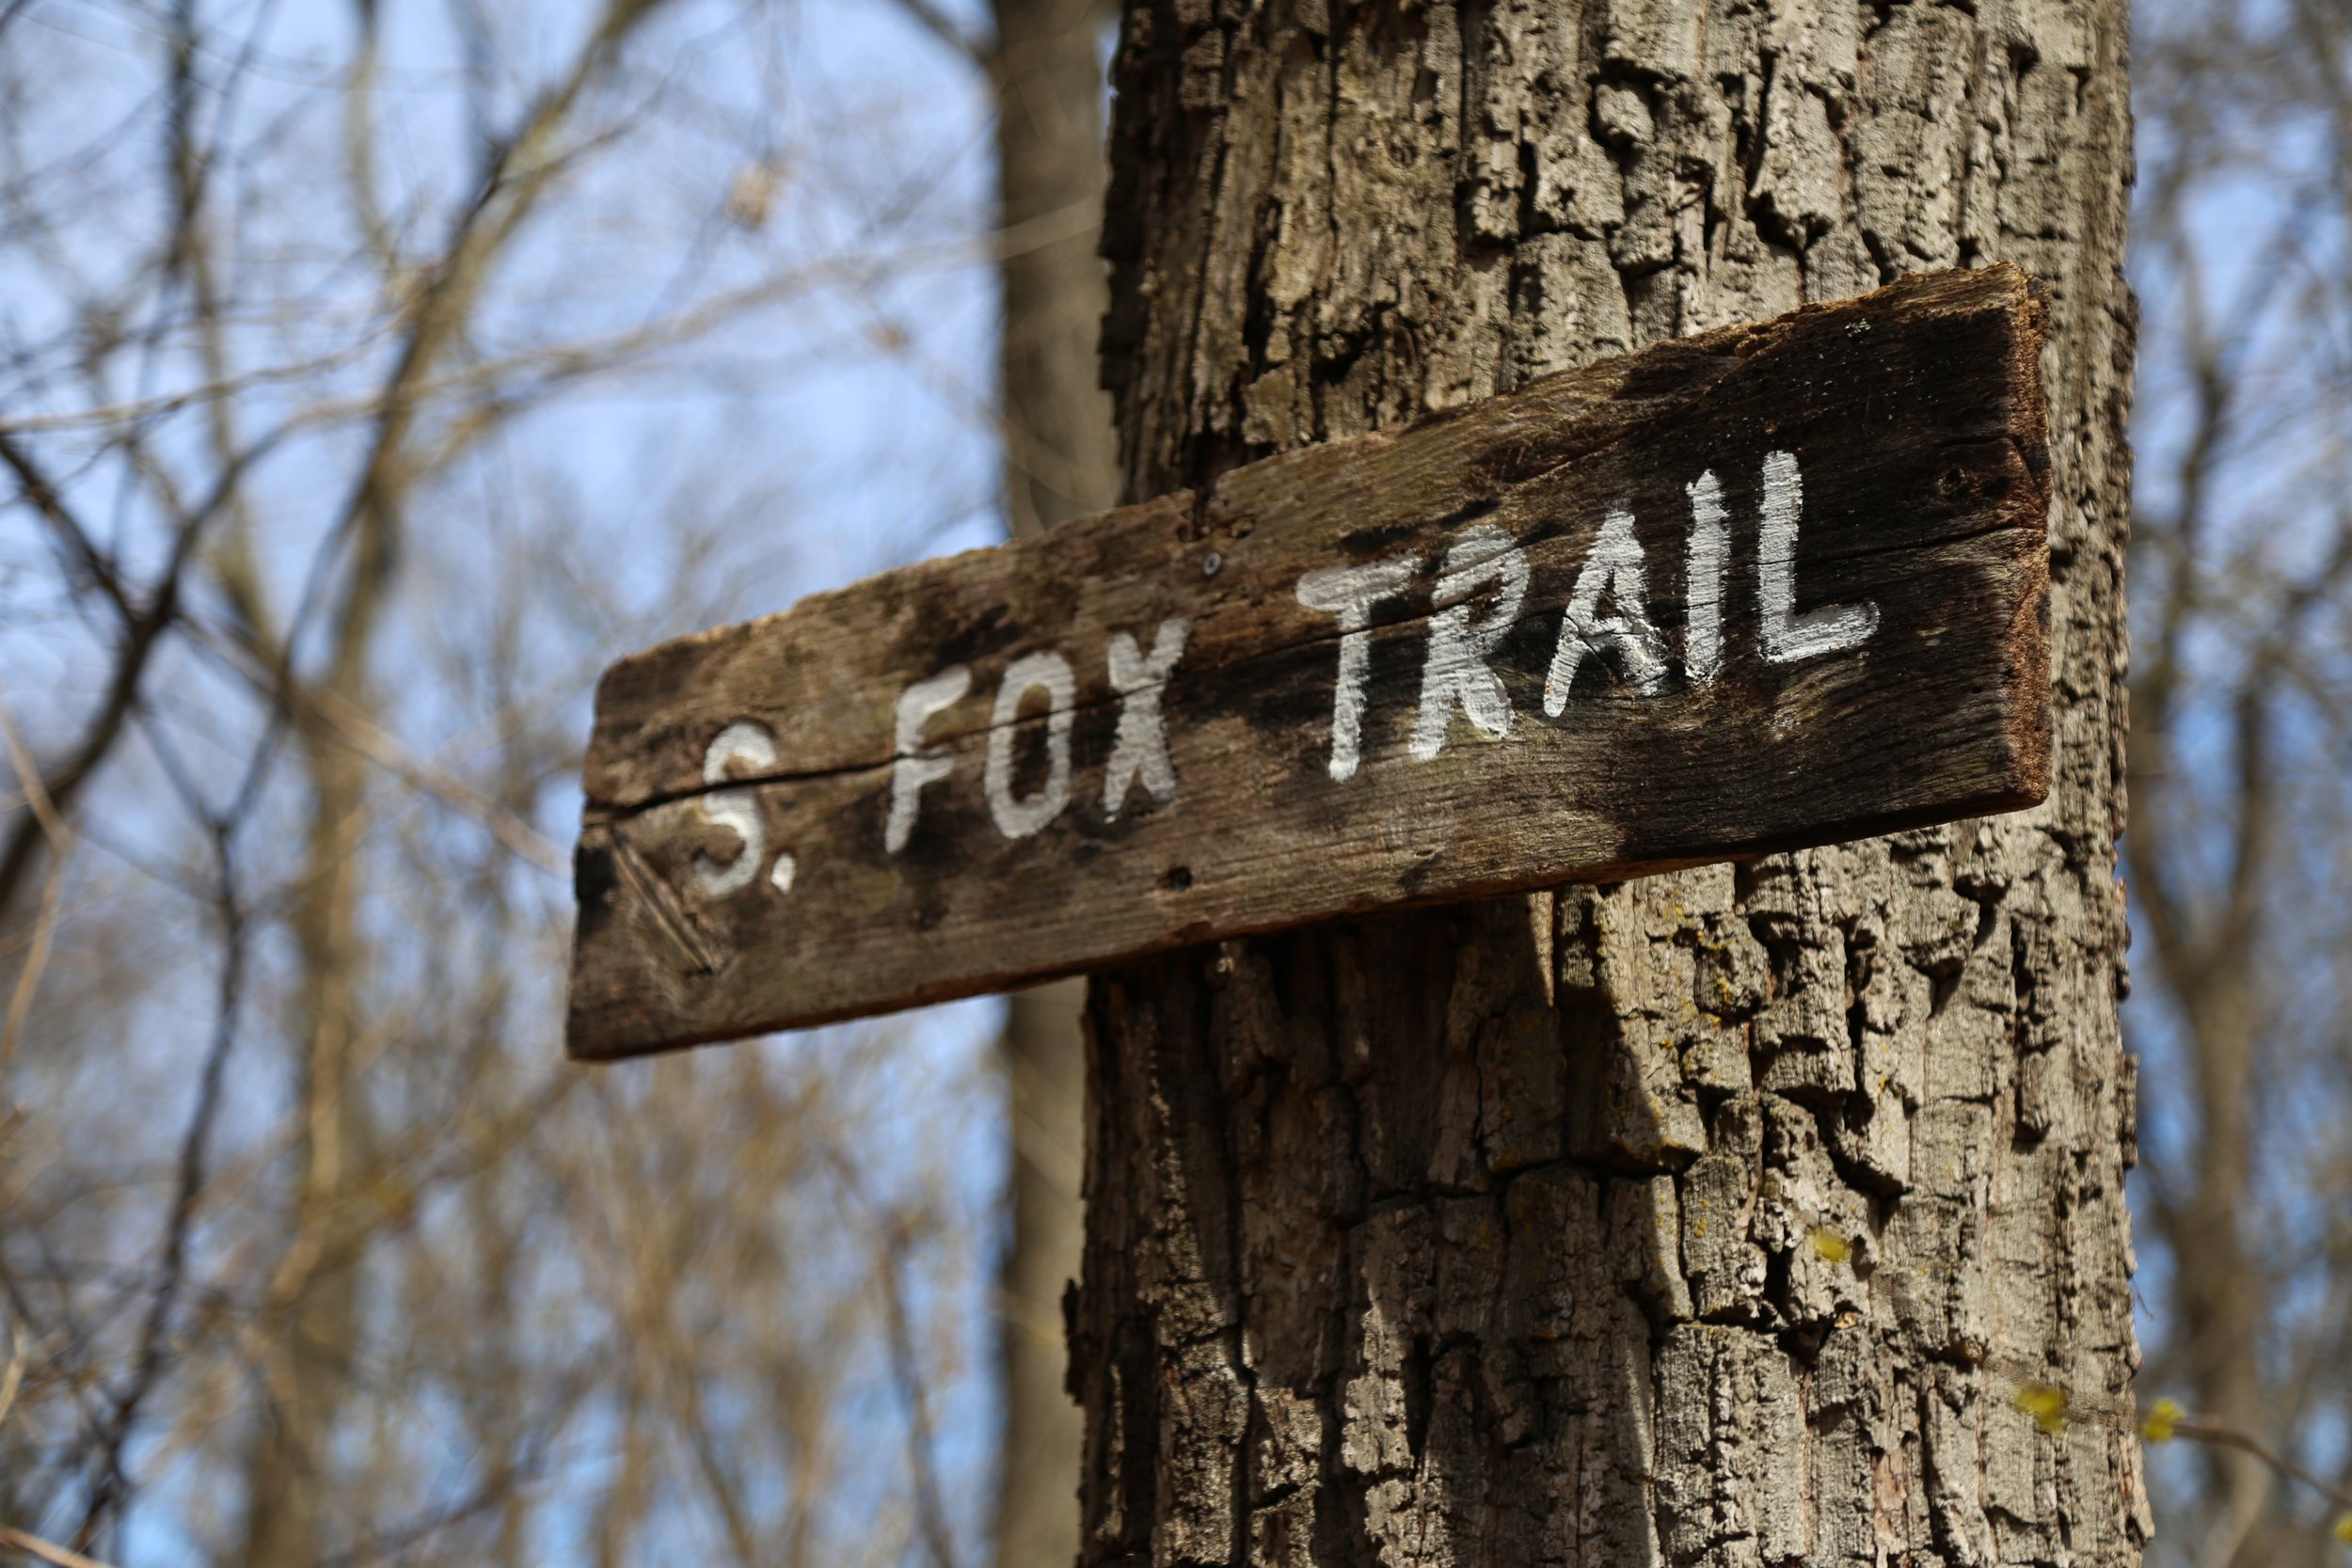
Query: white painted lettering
{"type": "Point", "coordinates": [735, 809]}
{"type": "Point", "coordinates": [1455, 673]}
{"type": "Point", "coordinates": [1140, 749]}
{"type": "Point", "coordinates": [1709, 553]}
{"type": "Point", "coordinates": [1789, 636]}
{"type": "Point", "coordinates": [1613, 567]}
{"type": "Point", "coordinates": [917, 765]}
{"type": "Point", "coordinates": [1349, 592]}
{"type": "Point", "coordinates": [1049, 673]}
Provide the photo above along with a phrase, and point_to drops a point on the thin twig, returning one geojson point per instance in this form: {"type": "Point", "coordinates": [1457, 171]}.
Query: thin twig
{"type": "Point", "coordinates": [143, 631]}
{"type": "Point", "coordinates": [48, 1551]}
{"type": "Point", "coordinates": [927, 1508]}
{"type": "Point", "coordinates": [14, 1379]}
{"type": "Point", "coordinates": [45, 919]}
{"type": "Point", "coordinates": [930, 1513]}
{"type": "Point", "coordinates": [111, 1486]}
{"type": "Point", "coordinates": [2228, 1437]}
{"type": "Point", "coordinates": [371, 741]}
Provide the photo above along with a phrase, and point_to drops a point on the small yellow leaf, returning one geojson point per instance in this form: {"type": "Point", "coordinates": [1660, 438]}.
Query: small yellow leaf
{"type": "Point", "coordinates": [2046, 1403]}
{"type": "Point", "coordinates": [2162, 1422]}
{"type": "Point", "coordinates": [1832, 1248]}
{"type": "Point", "coordinates": [2343, 1528]}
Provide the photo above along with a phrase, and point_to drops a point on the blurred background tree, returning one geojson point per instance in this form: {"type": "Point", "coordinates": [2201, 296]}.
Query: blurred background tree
{"type": "Point", "coordinates": [371, 375]}
{"type": "Point", "coordinates": [2240, 839]}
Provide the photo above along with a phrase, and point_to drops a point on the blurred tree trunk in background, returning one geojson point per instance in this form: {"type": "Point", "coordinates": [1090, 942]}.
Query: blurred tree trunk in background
{"type": "Point", "coordinates": [1060, 462]}
{"type": "Point", "coordinates": [1061, 458]}
{"type": "Point", "coordinates": [315, 1327]}
{"type": "Point", "coordinates": [2240, 736]}
{"type": "Point", "coordinates": [1709, 1219]}
{"type": "Point", "coordinates": [1037, 1487]}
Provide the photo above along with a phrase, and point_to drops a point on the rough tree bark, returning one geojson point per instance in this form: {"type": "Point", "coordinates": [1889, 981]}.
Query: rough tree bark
{"type": "Point", "coordinates": [1704, 1219]}
{"type": "Point", "coordinates": [1061, 461]}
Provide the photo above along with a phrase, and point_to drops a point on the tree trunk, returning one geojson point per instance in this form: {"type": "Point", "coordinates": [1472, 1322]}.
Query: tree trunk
{"type": "Point", "coordinates": [1708, 1219]}
{"type": "Point", "coordinates": [291, 1490]}
{"type": "Point", "coordinates": [1061, 457]}
{"type": "Point", "coordinates": [1037, 1474]}
{"type": "Point", "coordinates": [1061, 461]}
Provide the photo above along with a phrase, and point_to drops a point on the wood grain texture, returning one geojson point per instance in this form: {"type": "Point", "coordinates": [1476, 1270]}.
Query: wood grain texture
{"type": "Point", "coordinates": [1913, 417]}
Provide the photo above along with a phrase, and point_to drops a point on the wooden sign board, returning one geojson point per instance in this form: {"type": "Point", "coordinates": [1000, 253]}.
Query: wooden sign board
{"type": "Point", "coordinates": [1779, 585]}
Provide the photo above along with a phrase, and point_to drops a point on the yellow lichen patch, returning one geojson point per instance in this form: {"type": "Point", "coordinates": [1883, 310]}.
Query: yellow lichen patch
{"type": "Point", "coordinates": [1831, 1246]}
{"type": "Point", "coordinates": [2162, 1422]}
{"type": "Point", "coordinates": [2046, 1403]}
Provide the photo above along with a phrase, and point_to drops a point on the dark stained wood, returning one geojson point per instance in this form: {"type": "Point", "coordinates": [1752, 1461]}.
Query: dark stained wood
{"type": "Point", "coordinates": [1913, 417]}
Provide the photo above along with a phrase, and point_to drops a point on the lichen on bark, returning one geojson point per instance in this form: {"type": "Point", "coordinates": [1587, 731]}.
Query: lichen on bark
{"type": "Point", "coordinates": [1704, 1219]}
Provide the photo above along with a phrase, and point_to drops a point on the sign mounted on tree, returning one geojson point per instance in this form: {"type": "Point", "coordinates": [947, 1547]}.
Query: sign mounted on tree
{"type": "Point", "coordinates": [1777, 585]}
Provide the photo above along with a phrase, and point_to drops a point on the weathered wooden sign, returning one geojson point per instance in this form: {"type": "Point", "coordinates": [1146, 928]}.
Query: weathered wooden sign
{"type": "Point", "coordinates": [1778, 585]}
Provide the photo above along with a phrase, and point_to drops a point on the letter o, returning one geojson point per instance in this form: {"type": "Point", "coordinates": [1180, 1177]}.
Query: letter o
{"type": "Point", "coordinates": [1040, 671]}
